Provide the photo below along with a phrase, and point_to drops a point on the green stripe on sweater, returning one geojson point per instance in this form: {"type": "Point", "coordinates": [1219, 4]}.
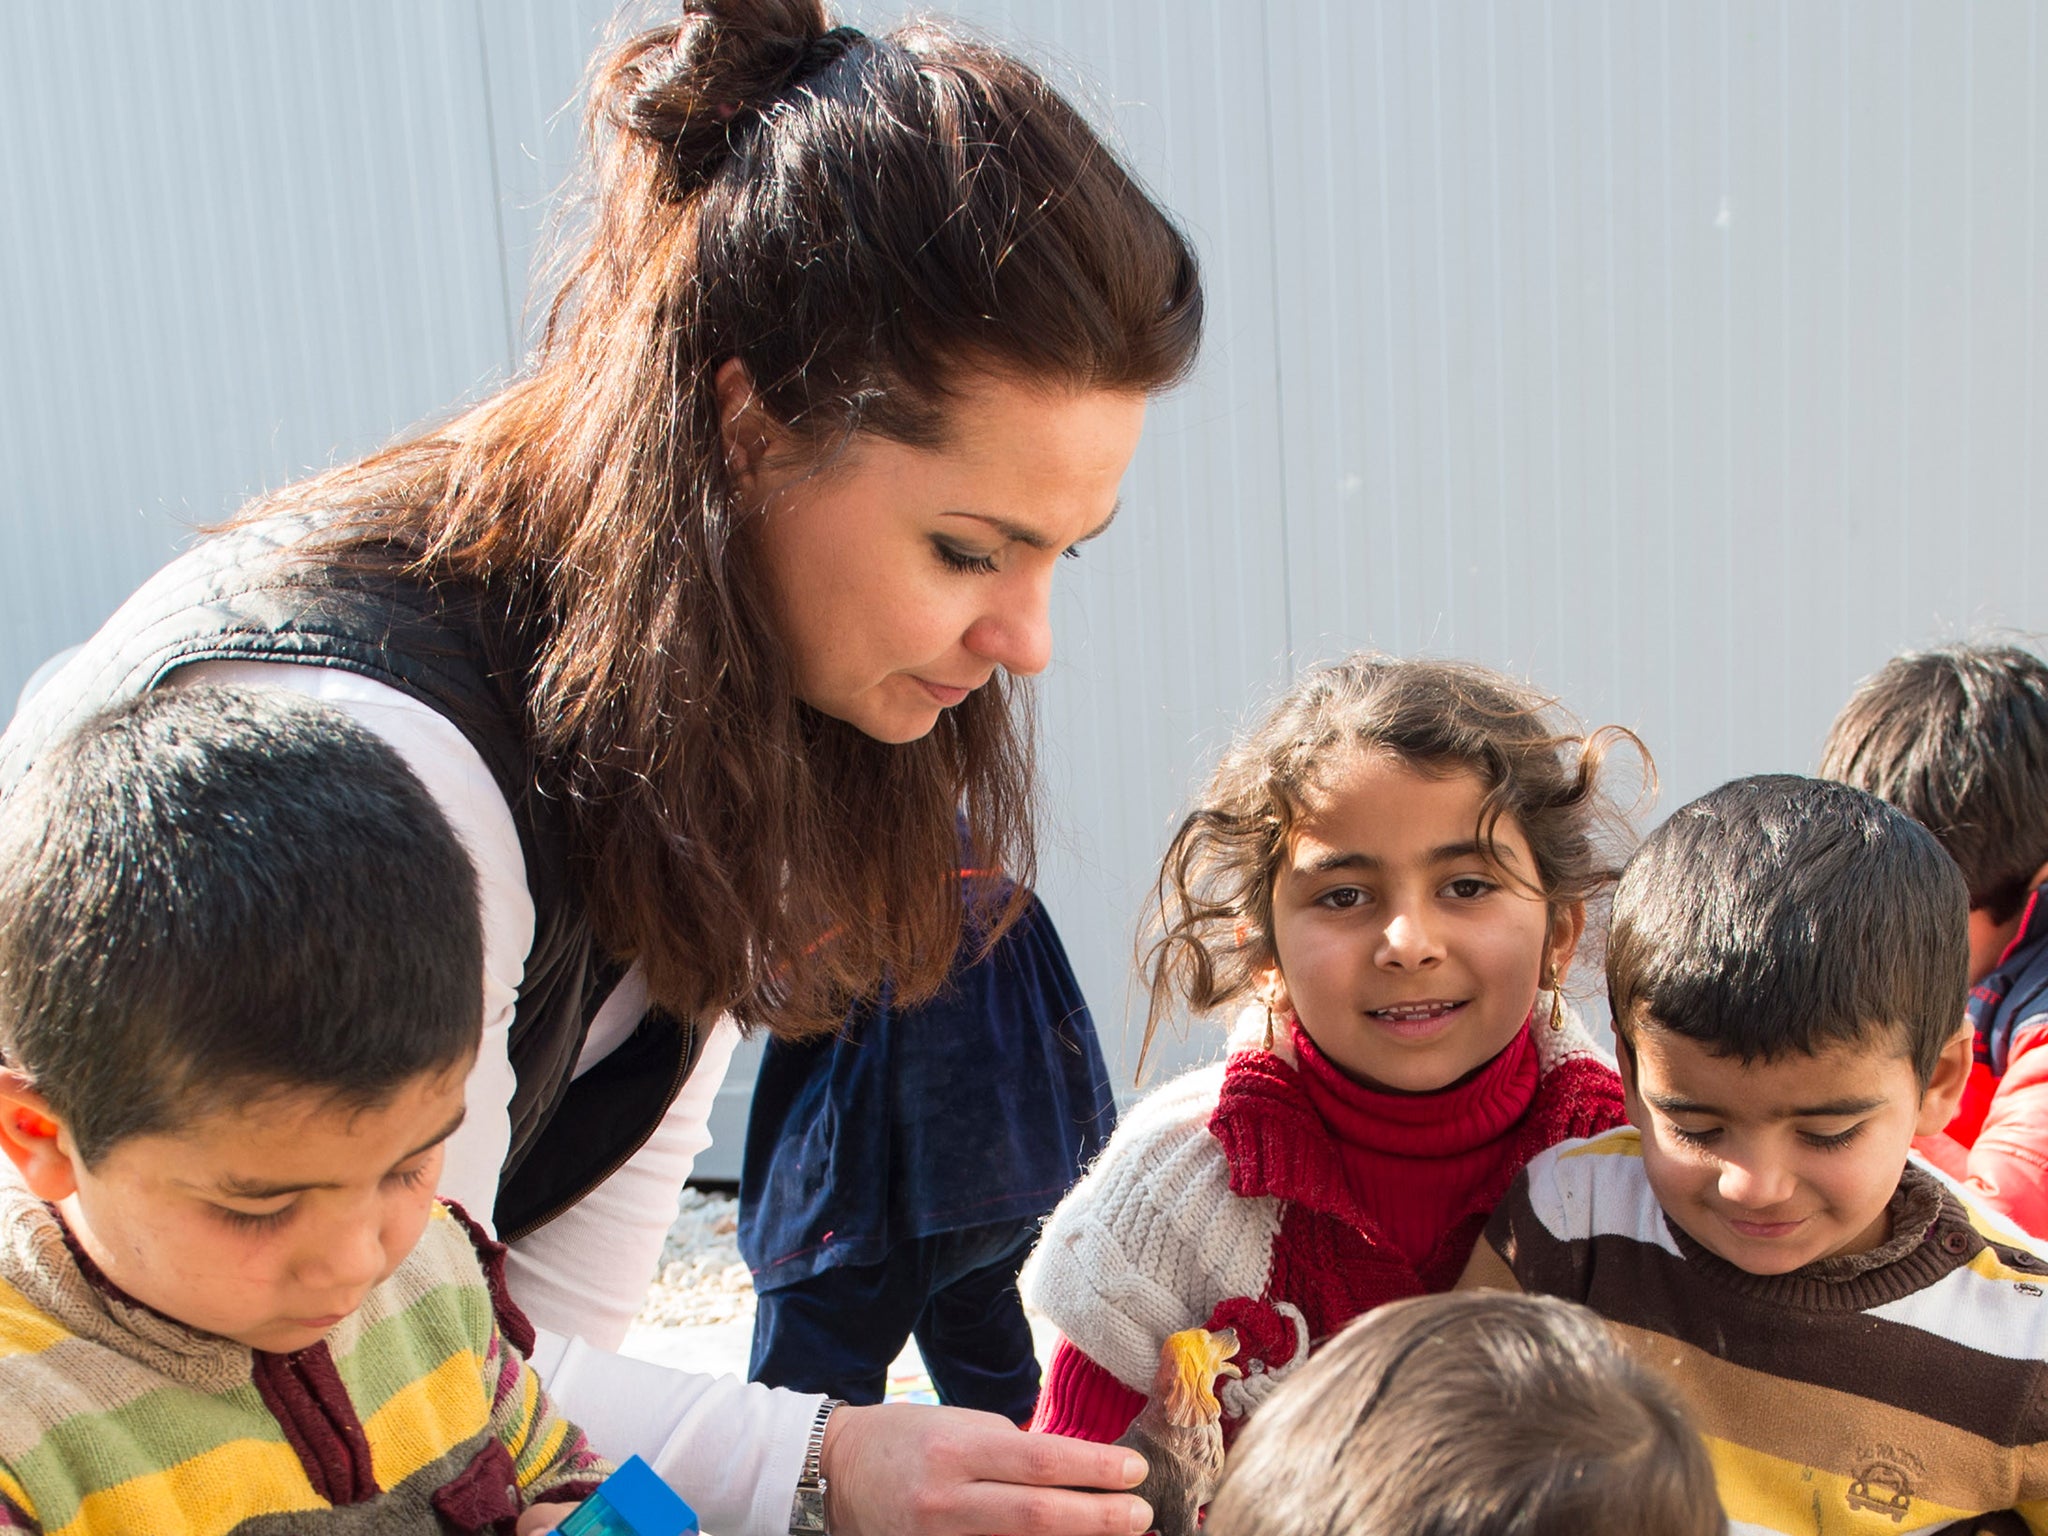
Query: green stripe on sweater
{"type": "Point", "coordinates": [90, 1451]}
{"type": "Point", "coordinates": [383, 1359]}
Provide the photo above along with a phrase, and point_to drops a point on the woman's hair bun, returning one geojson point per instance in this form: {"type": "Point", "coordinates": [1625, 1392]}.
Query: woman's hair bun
{"type": "Point", "coordinates": [680, 85]}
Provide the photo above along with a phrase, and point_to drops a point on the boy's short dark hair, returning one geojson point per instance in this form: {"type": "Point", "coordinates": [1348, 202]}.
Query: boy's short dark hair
{"type": "Point", "coordinates": [1479, 1413]}
{"type": "Point", "coordinates": [1957, 738]}
{"type": "Point", "coordinates": [1779, 914]}
{"type": "Point", "coordinates": [209, 894]}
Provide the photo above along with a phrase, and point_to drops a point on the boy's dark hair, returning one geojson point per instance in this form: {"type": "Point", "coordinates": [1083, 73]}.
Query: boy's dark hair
{"type": "Point", "coordinates": [1779, 914]}
{"type": "Point", "coordinates": [1478, 1413]}
{"type": "Point", "coordinates": [210, 894]}
{"type": "Point", "coordinates": [1957, 738]}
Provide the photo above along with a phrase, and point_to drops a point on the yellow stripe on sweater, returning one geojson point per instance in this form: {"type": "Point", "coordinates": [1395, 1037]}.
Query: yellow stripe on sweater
{"type": "Point", "coordinates": [536, 1459]}
{"type": "Point", "coordinates": [213, 1491]}
{"type": "Point", "coordinates": [1622, 1141]}
{"type": "Point", "coordinates": [1777, 1495]}
{"type": "Point", "coordinates": [514, 1431]}
{"type": "Point", "coordinates": [1988, 1264]}
{"type": "Point", "coordinates": [25, 1329]}
{"type": "Point", "coordinates": [15, 1494]}
{"type": "Point", "coordinates": [428, 1418]}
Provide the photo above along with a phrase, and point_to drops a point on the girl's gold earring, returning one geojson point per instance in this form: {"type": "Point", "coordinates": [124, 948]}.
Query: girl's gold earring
{"type": "Point", "coordinates": [1556, 998]}
{"type": "Point", "coordinates": [1269, 1028]}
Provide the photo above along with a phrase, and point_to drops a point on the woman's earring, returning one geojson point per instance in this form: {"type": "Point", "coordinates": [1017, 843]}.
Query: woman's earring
{"type": "Point", "coordinates": [1556, 998]}
{"type": "Point", "coordinates": [1269, 1028]}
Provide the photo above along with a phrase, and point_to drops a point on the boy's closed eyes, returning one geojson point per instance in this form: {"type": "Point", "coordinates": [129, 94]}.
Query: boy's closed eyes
{"type": "Point", "coordinates": [1774, 1164]}
{"type": "Point", "coordinates": [266, 1223]}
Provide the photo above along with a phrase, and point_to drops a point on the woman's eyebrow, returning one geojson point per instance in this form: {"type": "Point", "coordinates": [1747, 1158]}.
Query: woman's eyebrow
{"type": "Point", "coordinates": [1031, 538]}
{"type": "Point", "coordinates": [1103, 527]}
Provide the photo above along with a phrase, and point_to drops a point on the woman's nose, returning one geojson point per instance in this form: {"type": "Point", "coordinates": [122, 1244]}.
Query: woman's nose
{"type": "Point", "coordinates": [1017, 633]}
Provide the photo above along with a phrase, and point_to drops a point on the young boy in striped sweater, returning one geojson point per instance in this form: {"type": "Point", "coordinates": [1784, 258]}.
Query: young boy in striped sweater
{"type": "Point", "coordinates": [238, 1000]}
{"type": "Point", "coordinates": [1860, 1345]}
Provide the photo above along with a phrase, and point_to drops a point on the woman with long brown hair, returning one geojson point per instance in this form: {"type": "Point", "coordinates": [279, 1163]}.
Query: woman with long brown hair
{"type": "Point", "coordinates": [703, 632]}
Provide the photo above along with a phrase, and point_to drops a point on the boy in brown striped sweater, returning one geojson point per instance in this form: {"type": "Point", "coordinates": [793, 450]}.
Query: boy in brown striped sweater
{"type": "Point", "coordinates": [239, 950]}
{"type": "Point", "coordinates": [1861, 1347]}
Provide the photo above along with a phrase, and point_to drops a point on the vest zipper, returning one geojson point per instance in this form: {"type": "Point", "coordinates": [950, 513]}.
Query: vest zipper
{"type": "Point", "coordinates": [685, 1064]}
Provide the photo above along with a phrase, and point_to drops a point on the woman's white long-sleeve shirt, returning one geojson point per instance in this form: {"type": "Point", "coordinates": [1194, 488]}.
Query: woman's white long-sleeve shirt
{"type": "Point", "coordinates": [733, 1449]}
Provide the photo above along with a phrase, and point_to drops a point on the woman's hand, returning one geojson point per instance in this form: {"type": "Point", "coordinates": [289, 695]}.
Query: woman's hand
{"type": "Point", "coordinates": [903, 1470]}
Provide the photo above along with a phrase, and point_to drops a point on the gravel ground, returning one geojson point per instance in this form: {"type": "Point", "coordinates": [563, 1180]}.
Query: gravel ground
{"type": "Point", "coordinates": [701, 1279]}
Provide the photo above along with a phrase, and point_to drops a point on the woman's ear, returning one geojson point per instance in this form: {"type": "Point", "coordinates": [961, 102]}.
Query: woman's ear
{"type": "Point", "coordinates": [34, 1140]}
{"type": "Point", "coordinates": [747, 433]}
{"type": "Point", "coordinates": [1944, 1090]}
{"type": "Point", "coordinates": [1567, 927]}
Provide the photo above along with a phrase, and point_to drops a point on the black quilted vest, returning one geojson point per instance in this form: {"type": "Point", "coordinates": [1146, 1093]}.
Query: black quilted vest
{"type": "Point", "coordinates": [245, 596]}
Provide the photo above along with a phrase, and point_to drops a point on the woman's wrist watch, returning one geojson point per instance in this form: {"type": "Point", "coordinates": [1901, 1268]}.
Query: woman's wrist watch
{"type": "Point", "coordinates": [807, 1509]}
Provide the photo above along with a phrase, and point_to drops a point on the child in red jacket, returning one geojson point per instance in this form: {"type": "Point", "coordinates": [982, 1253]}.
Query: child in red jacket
{"type": "Point", "coordinates": [1393, 871]}
{"type": "Point", "coordinates": [1957, 738]}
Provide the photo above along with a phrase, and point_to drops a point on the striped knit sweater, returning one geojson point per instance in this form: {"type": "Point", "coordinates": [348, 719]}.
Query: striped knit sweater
{"type": "Point", "coordinates": [1900, 1392]}
{"type": "Point", "coordinates": [418, 1412]}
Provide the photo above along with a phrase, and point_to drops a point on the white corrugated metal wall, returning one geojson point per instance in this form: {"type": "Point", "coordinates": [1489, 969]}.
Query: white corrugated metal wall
{"type": "Point", "coordinates": [1681, 355]}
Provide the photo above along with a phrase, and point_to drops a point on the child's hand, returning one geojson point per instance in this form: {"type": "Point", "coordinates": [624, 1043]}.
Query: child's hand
{"type": "Point", "coordinates": [543, 1517]}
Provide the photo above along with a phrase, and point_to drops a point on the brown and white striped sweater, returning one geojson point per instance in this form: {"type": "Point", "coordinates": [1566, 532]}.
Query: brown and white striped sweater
{"type": "Point", "coordinates": [1904, 1393]}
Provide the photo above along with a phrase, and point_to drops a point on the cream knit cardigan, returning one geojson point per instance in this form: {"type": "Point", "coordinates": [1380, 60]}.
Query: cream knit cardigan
{"type": "Point", "coordinates": [1151, 1240]}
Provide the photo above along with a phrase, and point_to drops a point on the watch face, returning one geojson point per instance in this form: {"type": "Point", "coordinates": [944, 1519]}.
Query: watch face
{"type": "Point", "coordinates": [807, 1512]}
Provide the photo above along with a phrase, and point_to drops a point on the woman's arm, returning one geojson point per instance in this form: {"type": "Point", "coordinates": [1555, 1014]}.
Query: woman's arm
{"type": "Point", "coordinates": [587, 1271]}
{"type": "Point", "coordinates": [734, 1450]}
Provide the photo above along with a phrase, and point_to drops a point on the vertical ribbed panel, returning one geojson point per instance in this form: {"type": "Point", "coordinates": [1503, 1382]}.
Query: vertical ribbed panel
{"type": "Point", "coordinates": [1680, 354]}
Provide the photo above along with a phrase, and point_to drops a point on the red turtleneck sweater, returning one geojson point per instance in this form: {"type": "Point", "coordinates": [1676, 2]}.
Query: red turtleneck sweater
{"type": "Point", "coordinates": [1385, 1194]}
{"type": "Point", "coordinates": [1410, 1162]}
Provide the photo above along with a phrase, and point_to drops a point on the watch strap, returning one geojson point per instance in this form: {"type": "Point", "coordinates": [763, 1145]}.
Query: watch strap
{"type": "Point", "coordinates": [807, 1509]}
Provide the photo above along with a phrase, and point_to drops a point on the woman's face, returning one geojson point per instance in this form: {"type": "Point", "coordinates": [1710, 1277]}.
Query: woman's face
{"type": "Point", "coordinates": [901, 578]}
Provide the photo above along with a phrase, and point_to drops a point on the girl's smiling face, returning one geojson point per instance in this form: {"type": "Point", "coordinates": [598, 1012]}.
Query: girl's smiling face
{"type": "Point", "coordinates": [1409, 958]}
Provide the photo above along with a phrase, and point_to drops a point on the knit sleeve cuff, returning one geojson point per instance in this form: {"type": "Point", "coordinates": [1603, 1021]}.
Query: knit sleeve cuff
{"type": "Point", "coordinates": [1083, 1400]}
